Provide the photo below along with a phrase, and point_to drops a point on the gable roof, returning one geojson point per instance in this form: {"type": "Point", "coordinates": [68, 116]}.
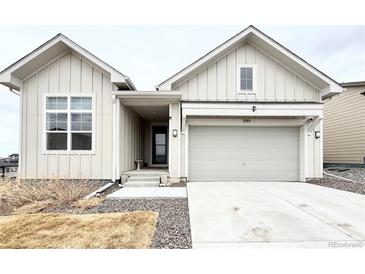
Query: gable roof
{"type": "Point", "coordinates": [13, 75]}
{"type": "Point", "coordinates": [326, 84]}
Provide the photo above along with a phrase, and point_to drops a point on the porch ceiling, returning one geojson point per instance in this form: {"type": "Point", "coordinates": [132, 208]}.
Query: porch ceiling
{"type": "Point", "coordinates": [153, 113]}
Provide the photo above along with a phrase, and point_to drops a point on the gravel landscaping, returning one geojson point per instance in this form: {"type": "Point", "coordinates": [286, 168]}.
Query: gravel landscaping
{"type": "Point", "coordinates": [173, 224]}
{"type": "Point", "coordinates": [332, 182]}
{"type": "Point", "coordinates": [355, 174]}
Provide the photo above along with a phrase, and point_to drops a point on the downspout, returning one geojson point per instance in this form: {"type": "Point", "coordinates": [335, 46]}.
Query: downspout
{"type": "Point", "coordinates": [114, 147]}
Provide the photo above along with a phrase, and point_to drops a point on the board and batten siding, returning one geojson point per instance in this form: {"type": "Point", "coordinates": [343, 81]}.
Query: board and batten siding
{"type": "Point", "coordinates": [344, 127]}
{"type": "Point", "coordinates": [131, 138]}
{"type": "Point", "coordinates": [69, 73]}
{"type": "Point", "coordinates": [218, 80]}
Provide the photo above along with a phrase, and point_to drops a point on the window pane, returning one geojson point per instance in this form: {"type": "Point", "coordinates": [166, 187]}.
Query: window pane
{"type": "Point", "coordinates": [243, 73]}
{"type": "Point", "coordinates": [51, 102]}
{"type": "Point", "coordinates": [243, 84]}
{"type": "Point", "coordinates": [56, 141]}
{"type": "Point", "coordinates": [56, 121]}
{"type": "Point", "coordinates": [81, 141]}
{"type": "Point", "coordinates": [249, 85]}
{"type": "Point", "coordinates": [81, 121]}
{"type": "Point", "coordinates": [160, 150]}
{"type": "Point", "coordinates": [62, 103]}
{"type": "Point", "coordinates": [249, 73]}
{"type": "Point", "coordinates": [160, 139]}
{"type": "Point", "coordinates": [86, 103]}
{"type": "Point", "coordinates": [86, 122]}
{"type": "Point", "coordinates": [76, 121]}
{"type": "Point", "coordinates": [81, 103]}
{"type": "Point", "coordinates": [76, 103]}
{"type": "Point", "coordinates": [59, 103]}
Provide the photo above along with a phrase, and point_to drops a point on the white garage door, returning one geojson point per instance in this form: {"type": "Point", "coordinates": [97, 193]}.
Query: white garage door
{"type": "Point", "coordinates": [243, 153]}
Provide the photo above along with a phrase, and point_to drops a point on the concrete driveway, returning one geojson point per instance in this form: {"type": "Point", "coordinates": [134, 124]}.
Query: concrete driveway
{"type": "Point", "coordinates": [288, 214]}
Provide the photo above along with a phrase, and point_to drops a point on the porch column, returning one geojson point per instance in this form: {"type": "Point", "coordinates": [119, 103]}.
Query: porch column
{"type": "Point", "coordinates": [174, 141]}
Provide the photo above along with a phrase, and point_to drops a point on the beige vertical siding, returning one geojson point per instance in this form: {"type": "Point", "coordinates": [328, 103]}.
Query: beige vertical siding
{"type": "Point", "coordinates": [131, 138]}
{"type": "Point", "coordinates": [217, 81]}
{"type": "Point", "coordinates": [344, 127]}
{"type": "Point", "coordinates": [67, 74]}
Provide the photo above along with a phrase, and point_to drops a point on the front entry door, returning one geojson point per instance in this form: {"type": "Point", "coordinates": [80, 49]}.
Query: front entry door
{"type": "Point", "coordinates": [159, 145]}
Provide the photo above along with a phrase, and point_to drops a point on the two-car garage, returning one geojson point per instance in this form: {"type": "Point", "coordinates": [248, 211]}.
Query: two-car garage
{"type": "Point", "coordinates": [243, 153]}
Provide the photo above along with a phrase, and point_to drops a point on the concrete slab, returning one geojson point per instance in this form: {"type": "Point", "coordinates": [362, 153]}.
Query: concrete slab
{"type": "Point", "coordinates": [234, 213]}
{"type": "Point", "coordinates": [341, 209]}
{"type": "Point", "coordinates": [148, 193]}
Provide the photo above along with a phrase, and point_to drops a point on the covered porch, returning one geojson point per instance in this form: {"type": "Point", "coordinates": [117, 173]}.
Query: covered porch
{"type": "Point", "coordinates": [145, 126]}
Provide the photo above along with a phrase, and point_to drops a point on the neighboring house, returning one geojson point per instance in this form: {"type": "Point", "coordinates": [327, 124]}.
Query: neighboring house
{"type": "Point", "coordinates": [9, 166]}
{"type": "Point", "coordinates": [344, 127]}
{"type": "Point", "coordinates": [249, 110]}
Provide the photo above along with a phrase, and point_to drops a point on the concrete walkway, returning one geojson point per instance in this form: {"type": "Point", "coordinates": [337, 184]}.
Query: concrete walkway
{"type": "Point", "coordinates": [148, 193]}
{"type": "Point", "coordinates": [275, 214]}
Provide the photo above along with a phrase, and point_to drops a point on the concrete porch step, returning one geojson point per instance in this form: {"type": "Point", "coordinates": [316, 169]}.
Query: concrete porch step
{"type": "Point", "coordinates": [146, 174]}
{"type": "Point", "coordinates": [143, 178]}
{"type": "Point", "coordinates": [142, 183]}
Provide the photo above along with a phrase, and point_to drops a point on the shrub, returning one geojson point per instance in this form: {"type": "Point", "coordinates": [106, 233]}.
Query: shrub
{"type": "Point", "coordinates": [36, 195]}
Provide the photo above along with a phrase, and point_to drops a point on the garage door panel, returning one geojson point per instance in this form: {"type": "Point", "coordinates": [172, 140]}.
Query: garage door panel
{"type": "Point", "coordinates": [243, 153]}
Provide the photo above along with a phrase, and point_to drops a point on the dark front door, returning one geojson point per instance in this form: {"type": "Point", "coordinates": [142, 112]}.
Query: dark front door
{"type": "Point", "coordinates": [159, 145]}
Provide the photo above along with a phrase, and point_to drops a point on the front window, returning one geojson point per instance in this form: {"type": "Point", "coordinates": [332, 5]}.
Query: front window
{"type": "Point", "coordinates": [69, 123]}
{"type": "Point", "coordinates": [246, 78]}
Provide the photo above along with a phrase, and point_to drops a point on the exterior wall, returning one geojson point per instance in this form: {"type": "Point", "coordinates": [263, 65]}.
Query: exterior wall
{"type": "Point", "coordinates": [217, 81]}
{"type": "Point", "coordinates": [67, 74]}
{"type": "Point", "coordinates": [131, 138]}
{"type": "Point", "coordinates": [344, 127]}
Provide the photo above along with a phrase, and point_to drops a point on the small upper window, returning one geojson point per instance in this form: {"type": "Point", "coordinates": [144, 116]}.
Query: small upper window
{"type": "Point", "coordinates": [246, 74]}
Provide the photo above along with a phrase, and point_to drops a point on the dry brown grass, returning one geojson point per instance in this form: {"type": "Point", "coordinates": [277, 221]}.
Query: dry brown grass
{"type": "Point", "coordinates": [88, 203]}
{"type": "Point", "coordinates": [18, 197]}
{"type": "Point", "coordinates": [112, 230]}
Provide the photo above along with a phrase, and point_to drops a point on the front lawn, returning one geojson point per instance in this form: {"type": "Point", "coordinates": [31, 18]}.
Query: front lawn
{"type": "Point", "coordinates": [53, 230]}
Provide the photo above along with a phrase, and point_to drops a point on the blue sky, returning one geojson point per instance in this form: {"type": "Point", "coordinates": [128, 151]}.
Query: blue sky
{"type": "Point", "coordinates": [150, 54]}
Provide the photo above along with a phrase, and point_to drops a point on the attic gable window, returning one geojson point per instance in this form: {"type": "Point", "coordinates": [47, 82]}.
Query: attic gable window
{"type": "Point", "coordinates": [69, 123]}
{"type": "Point", "coordinates": [246, 76]}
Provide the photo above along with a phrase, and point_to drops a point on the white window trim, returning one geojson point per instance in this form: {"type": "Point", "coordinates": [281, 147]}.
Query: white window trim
{"type": "Point", "coordinates": [69, 111]}
{"type": "Point", "coordinates": [254, 78]}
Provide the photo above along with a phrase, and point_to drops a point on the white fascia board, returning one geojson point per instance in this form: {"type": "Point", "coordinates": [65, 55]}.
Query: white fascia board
{"type": "Point", "coordinates": [279, 110]}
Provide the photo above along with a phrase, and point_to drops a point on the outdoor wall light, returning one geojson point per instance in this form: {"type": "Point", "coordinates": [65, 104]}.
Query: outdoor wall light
{"type": "Point", "coordinates": [174, 132]}
{"type": "Point", "coordinates": [317, 134]}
